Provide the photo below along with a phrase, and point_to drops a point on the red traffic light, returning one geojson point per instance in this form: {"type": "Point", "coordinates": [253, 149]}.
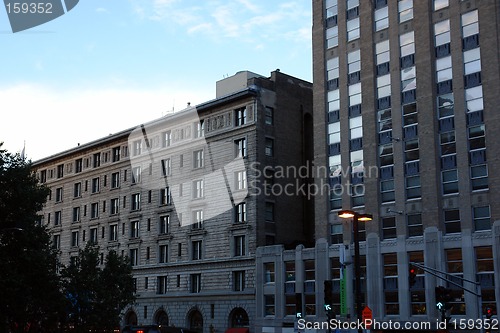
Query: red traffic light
{"type": "Point", "coordinates": [412, 276]}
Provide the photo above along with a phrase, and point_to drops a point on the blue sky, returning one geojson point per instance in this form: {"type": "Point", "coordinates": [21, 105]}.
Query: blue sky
{"type": "Point", "coordinates": [108, 65]}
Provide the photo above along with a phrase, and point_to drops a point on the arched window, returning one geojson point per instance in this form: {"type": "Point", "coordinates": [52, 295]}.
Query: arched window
{"type": "Point", "coordinates": [195, 319]}
{"type": "Point", "coordinates": [239, 318]}
{"type": "Point", "coordinates": [161, 318]}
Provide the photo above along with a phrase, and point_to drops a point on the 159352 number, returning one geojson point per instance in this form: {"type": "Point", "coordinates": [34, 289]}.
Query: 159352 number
{"type": "Point", "coordinates": [29, 8]}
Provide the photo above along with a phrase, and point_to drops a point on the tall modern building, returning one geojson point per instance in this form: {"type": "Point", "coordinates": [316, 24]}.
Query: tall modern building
{"type": "Point", "coordinates": [188, 198]}
{"type": "Point", "coordinates": [405, 118]}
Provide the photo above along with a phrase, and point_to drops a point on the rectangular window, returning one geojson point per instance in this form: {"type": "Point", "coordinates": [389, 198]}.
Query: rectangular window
{"type": "Point", "coordinates": [136, 201]}
{"type": "Point", "coordinates": [166, 139]}
{"type": "Point", "coordinates": [479, 177]}
{"type": "Point", "coordinates": [60, 171]}
{"type": "Point", "coordinates": [415, 227]}
{"type": "Point", "coordinates": [269, 272]}
{"type": "Point", "coordinates": [482, 218]}
{"type": "Point", "coordinates": [196, 250]}
{"type": "Point", "coordinates": [240, 213]}
{"type": "Point", "coordinates": [485, 276]}
{"type": "Point", "coordinates": [166, 167]}
{"type": "Point", "coordinates": [137, 146]}
{"type": "Point", "coordinates": [94, 210]}
{"type": "Point", "coordinates": [113, 232]}
{"type": "Point", "coordinates": [332, 37]}
{"type": "Point", "coordinates": [57, 218]}
{"type": "Point", "coordinates": [269, 116]}
{"type": "Point", "coordinates": [116, 154]}
{"type": "Point", "coordinates": [269, 147]}
{"type": "Point", "coordinates": [134, 229]}
{"type": "Point", "coordinates": [195, 283]}
{"type": "Point", "coordinates": [198, 189]}
{"type": "Point", "coordinates": [241, 147]}
{"type": "Point", "coordinates": [452, 221]}
{"type": "Point", "coordinates": [59, 194]}
{"type": "Point", "coordinates": [449, 178]}
{"type": "Point", "coordinates": [389, 227]}
{"type": "Point", "coordinates": [95, 185]}
{"type": "Point", "coordinates": [239, 246]}
{"type": "Point", "coordinates": [76, 214]}
{"type": "Point", "coordinates": [115, 180]}
{"type": "Point", "coordinates": [269, 213]}
{"type": "Point", "coordinates": [134, 257]}
{"type": "Point", "coordinates": [199, 130]}
{"type": "Point", "coordinates": [93, 236]}
{"type": "Point", "coordinates": [164, 224]}
{"type": "Point", "coordinates": [336, 233]}
{"type": "Point", "coordinates": [440, 4]}
{"type": "Point", "coordinates": [136, 175]}
{"type": "Point", "coordinates": [56, 241]}
{"type": "Point", "coordinates": [115, 206]}
{"type": "Point", "coordinates": [197, 219]}
{"type": "Point", "coordinates": [353, 29]}
{"type": "Point", "coordinates": [163, 254]}
{"type": "Point", "coordinates": [238, 280]}
{"type": "Point", "coordinates": [405, 10]}
{"type": "Point", "coordinates": [241, 180]}
{"type": "Point", "coordinates": [78, 165]}
{"type": "Point", "coordinates": [198, 159]}
{"type": "Point", "coordinates": [240, 116]}
{"type": "Point", "coordinates": [161, 282]}
{"type": "Point", "coordinates": [382, 18]}
{"type": "Point", "coordinates": [97, 160]}
{"type": "Point", "coordinates": [417, 291]}
{"type": "Point", "coordinates": [75, 235]}
{"type": "Point", "coordinates": [269, 305]}
{"type": "Point", "coordinates": [165, 196]}
{"type": "Point", "coordinates": [391, 283]}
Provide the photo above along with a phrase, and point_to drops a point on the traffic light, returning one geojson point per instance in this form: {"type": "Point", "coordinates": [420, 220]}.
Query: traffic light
{"type": "Point", "coordinates": [328, 304]}
{"type": "Point", "coordinates": [412, 276]}
{"type": "Point", "coordinates": [298, 305]}
{"type": "Point", "coordinates": [488, 312]}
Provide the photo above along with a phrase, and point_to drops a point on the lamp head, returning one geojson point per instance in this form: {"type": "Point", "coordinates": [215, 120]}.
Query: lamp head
{"type": "Point", "coordinates": [365, 217]}
{"type": "Point", "coordinates": [346, 214]}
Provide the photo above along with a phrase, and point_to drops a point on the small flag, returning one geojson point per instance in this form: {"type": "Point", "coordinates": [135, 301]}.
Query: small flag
{"type": "Point", "coordinates": [23, 151]}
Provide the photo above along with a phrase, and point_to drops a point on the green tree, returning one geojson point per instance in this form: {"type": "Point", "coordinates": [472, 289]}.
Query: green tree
{"type": "Point", "coordinates": [80, 284]}
{"type": "Point", "coordinates": [116, 290]}
{"type": "Point", "coordinates": [29, 285]}
{"type": "Point", "coordinates": [96, 296]}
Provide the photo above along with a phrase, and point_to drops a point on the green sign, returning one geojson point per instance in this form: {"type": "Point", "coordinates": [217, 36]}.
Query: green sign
{"type": "Point", "coordinates": [343, 297]}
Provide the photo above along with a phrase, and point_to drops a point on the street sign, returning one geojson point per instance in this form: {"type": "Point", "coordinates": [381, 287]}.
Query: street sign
{"type": "Point", "coordinates": [343, 297]}
{"type": "Point", "coordinates": [367, 314]}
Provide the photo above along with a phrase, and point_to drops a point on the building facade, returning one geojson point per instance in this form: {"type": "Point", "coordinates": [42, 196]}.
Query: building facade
{"type": "Point", "coordinates": [188, 198]}
{"type": "Point", "coordinates": [405, 97]}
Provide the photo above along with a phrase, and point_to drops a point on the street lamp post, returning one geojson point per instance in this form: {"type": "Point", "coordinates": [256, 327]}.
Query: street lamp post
{"type": "Point", "coordinates": [356, 217]}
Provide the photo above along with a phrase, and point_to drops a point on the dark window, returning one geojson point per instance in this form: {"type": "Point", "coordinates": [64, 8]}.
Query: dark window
{"type": "Point", "coordinates": [471, 42]}
{"type": "Point", "coordinates": [443, 50]}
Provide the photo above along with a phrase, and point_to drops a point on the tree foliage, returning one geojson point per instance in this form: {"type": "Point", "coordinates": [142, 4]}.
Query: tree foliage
{"type": "Point", "coordinates": [96, 296]}
{"type": "Point", "coordinates": [29, 284]}
{"type": "Point", "coordinates": [33, 296]}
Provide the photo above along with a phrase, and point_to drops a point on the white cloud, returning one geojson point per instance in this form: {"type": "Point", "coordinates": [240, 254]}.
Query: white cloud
{"type": "Point", "coordinates": [51, 121]}
{"type": "Point", "coordinates": [242, 19]}
{"type": "Point", "coordinates": [250, 6]}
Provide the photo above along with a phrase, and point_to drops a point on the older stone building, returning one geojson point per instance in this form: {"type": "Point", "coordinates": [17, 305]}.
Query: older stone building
{"type": "Point", "coordinates": [189, 197]}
